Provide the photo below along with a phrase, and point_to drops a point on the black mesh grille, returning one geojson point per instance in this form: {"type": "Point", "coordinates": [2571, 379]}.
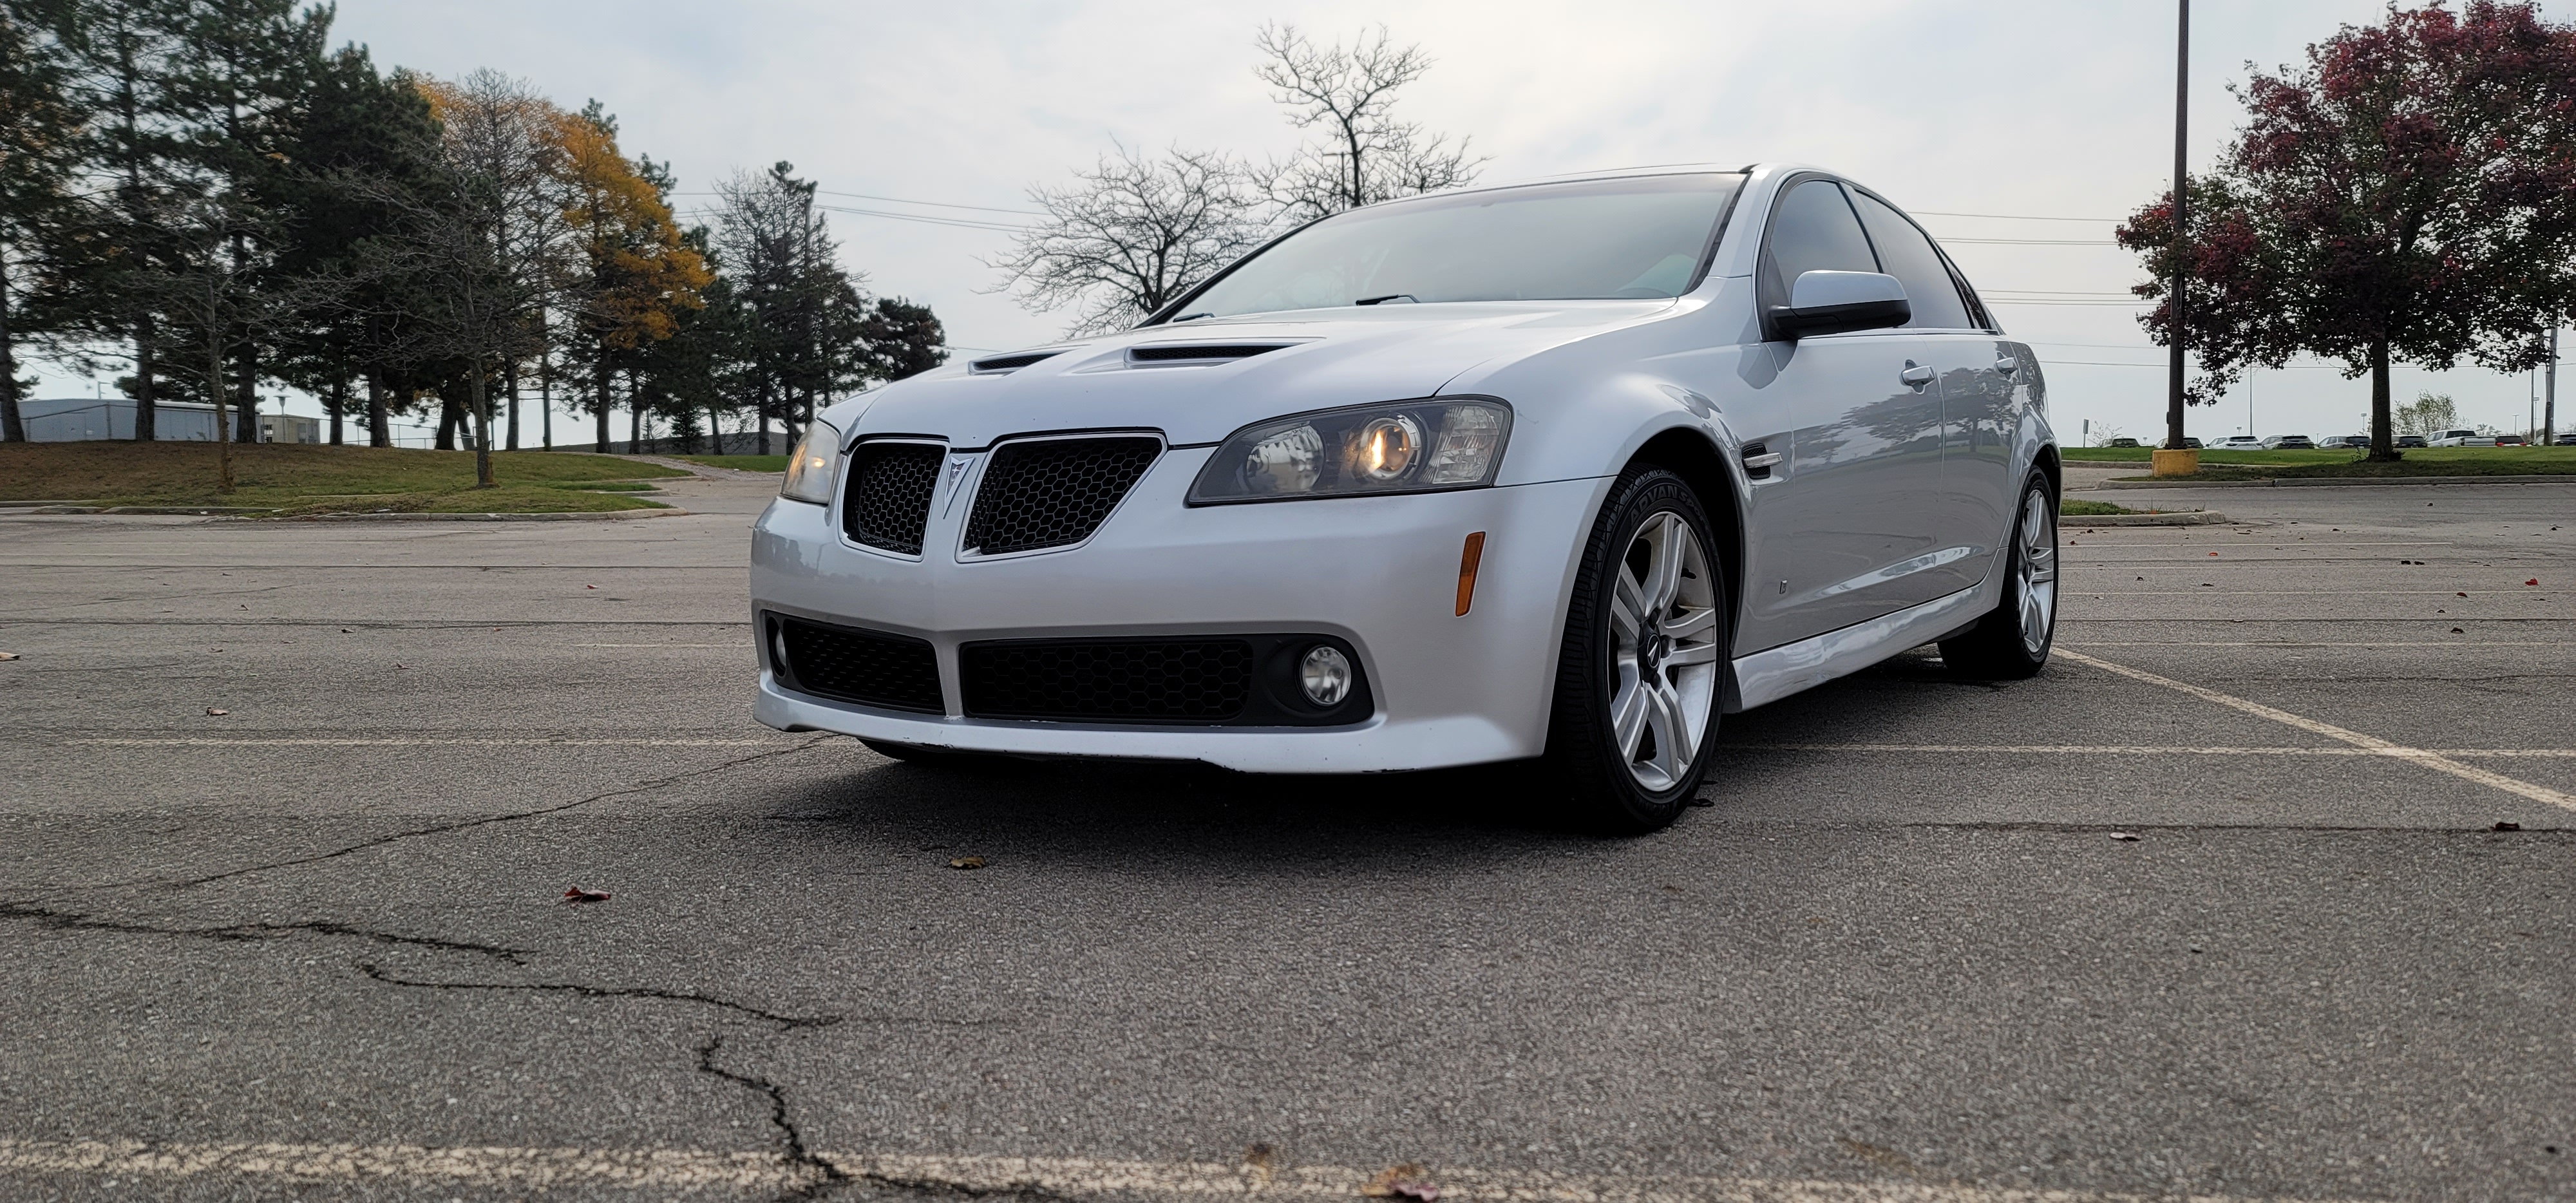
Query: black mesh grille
{"type": "Point", "coordinates": [1192, 680]}
{"type": "Point", "coordinates": [887, 501]}
{"type": "Point", "coordinates": [894, 671]}
{"type": "Point", "coordinates": [1051, 492]}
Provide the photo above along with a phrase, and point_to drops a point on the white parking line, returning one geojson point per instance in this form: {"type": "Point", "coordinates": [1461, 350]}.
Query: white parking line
{"type": "Point", "coordinates": [2138, 750]}
{"type": "Point", "coordinates": [2371, 743]}
{"type": "Point", "coordinates": [692, 1171]}
{"type": "Point", "coordinates": [429, 741]}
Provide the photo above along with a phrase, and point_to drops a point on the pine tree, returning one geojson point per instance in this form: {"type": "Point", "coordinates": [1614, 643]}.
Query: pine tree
{"type": "Point", "coordinates": [39, 131]}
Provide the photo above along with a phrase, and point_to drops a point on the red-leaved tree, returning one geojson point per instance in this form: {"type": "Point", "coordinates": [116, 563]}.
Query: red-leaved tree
{"type": "Point", "coordinates": [2409, 193]}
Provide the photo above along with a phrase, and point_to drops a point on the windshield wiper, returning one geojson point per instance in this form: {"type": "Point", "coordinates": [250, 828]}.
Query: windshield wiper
{"type": "Point", "coordinates": [1405, 297]}
{"type": "Point", "coordinates": [1189, 317]}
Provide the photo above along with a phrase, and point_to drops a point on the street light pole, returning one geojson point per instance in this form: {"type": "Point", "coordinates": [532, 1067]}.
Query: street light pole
{"type": "Point", "coordinates": [2549, 406]}
{"type": "Point", "coordinates": [2173, 459]}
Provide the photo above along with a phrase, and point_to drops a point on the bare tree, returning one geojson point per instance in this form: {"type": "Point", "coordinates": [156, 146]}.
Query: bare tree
{"type": "Point", "coordinates": [1365, 154]}
{"type": "Point", "coordinates": [498, 136]}
{"type": "Point", "coordinates": [222, 304]}
{"type": "Point", "coordinates": [1130, 235]}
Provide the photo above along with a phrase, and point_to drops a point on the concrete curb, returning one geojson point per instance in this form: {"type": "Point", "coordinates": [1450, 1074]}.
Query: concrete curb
{"type": "Point", "coordinates": [2187, 518]}
{"type": "Point", "coordinates": [2317, 481]}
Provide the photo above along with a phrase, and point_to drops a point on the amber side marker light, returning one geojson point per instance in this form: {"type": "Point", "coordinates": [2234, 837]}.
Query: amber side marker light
{"type": "Point", "coordinates": [1467, 560]}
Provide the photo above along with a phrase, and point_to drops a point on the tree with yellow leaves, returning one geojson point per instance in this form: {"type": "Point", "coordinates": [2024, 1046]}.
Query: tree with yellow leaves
{"type": "Point", "coordinates": [630, 271]}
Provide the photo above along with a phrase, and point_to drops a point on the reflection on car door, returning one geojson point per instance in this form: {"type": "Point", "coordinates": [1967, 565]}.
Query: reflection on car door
{"type": "Point", "coordinates": [1977, 398]}
{"type": "Point", "coordinates": [1846, 519]}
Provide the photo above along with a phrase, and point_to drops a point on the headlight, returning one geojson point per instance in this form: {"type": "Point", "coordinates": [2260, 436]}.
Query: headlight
{"type": "Point", "coordinates": [809, 470]}
{"type": "Point", "coordinates": [1405, 447]}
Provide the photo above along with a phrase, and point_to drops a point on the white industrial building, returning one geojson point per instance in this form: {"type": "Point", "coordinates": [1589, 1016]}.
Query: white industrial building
{"type": "Point", "coordinates": [74, 419]}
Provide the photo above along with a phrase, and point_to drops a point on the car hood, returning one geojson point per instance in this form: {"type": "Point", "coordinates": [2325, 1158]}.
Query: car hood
{"type": "Point", "coordinates": [1314, 360]}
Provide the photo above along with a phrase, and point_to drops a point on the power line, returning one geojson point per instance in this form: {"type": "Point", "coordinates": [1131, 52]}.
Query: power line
{"type": "Point", "coordinates": [902, 201]}
{"type": "Point", "coordinates": [933, 204]}
{"type": "Point", "coordinates": [2031, 241]}
{"type": "Point", "coordinates": [962, 223]}
{"type": "Point", "coordinates": [2014, 216]}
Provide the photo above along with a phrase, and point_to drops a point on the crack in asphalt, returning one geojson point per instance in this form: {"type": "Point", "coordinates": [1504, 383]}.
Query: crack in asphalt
{"type": "Point", "coordinates": [796, 1154]}
{"type": "Point", "coordinates": [248, 932]}
{"type": "Point", "coordinates": [485, 821]}
{"type": "Point", "coordinates": [826, 1176]}
{"type": "Point", "coordinates": [784, 1023]}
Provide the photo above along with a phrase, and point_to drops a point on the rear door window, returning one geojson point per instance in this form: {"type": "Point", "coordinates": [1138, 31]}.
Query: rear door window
{"type": "Point", "coordinates": [1905, 253]}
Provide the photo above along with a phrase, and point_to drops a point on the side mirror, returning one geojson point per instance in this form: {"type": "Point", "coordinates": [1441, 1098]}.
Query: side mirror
{"type": "Point", "coordinates": [1837, 302]}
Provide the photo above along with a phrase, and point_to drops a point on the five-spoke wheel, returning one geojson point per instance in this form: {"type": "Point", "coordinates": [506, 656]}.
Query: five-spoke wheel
{"type": "Point", "coordinates": [1638, 675]}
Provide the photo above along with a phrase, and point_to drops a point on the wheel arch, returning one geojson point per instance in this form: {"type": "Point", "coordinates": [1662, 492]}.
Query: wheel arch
{"type": "Point", "coordinates": [1690, 454]}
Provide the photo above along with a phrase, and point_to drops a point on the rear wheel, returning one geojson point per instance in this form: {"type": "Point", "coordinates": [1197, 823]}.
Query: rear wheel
{"type": "Point", "coordinates": [1637, 677]}
{"type": "Point", "coordinates": [2012, 641]}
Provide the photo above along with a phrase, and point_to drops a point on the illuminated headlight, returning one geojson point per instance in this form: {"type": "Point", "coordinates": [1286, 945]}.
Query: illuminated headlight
{"type": "Point", "coordinates": [1407, 447]}
{"type": "Point", "coordinates": [809, 470]}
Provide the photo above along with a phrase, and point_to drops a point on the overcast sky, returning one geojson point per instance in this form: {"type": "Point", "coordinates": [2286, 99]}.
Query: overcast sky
{"type": "Point", "coordinates": [2024, 109]}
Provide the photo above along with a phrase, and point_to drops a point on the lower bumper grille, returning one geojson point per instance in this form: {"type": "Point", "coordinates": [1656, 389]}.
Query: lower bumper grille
{"type": "Point", "coordinates": [1212, 680]}
{"type": "Point", "coordinates": [872, 668]}
{"type": "Point", "coordinates": [1180, 681]}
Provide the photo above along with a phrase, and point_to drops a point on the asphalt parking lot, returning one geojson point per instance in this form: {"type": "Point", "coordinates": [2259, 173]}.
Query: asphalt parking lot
{"type": "Point", "coordinates": [314, 947]}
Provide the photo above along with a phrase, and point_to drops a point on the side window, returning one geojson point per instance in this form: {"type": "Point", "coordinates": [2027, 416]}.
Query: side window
{"type": "Point", "coordinates": [1908, 256]}
{"type": "Point", "coordinates": [1813, 230]}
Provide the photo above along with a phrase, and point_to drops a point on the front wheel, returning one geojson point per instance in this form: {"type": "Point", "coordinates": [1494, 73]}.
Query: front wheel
{"type": "Point", "coordinates": [2012, 641]}
{"type": "Point", "coordinates": [1637, 677]}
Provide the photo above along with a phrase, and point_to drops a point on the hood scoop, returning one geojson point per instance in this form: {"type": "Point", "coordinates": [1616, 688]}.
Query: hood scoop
{"type": "Point", "coordinates": [995, 365]}
{"type": "Point", "coordinates": [1157, 355]}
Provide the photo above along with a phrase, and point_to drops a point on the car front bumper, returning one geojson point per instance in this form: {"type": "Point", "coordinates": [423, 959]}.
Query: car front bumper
{"type": "Point", "coordinates": [1379, 572]}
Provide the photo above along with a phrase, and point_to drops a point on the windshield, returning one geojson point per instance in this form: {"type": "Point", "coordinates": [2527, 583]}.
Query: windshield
{"type": "Point", "coordinates": [1599, 239]}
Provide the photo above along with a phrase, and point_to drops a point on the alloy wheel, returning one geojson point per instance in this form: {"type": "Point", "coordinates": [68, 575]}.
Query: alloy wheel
{"type": "Point", "coordinates": [1664, 632]}
{"type": "Point", "coordinates": [2035, 586]}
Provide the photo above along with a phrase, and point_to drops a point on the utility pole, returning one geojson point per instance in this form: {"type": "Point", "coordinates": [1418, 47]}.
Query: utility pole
{"type": "Point", "coordinates": [2173, 459]}
{"type": "Point", "coordinates": [2549, 406]}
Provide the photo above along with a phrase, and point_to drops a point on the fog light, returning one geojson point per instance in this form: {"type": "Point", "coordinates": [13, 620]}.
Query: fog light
{"type": "Point", "coordinates": [1325, 674]}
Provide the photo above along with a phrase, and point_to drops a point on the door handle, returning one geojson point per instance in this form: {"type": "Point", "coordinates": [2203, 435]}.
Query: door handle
{"type": "Point", "coordinates": [2008, 364]}
{"type": "Point", "coordinates": [1915, 375]}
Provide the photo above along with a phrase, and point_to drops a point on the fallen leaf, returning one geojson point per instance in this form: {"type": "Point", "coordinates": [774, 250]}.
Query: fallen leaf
{"type": "Point", "coordinates": [402, 666]}
{"type": "Point", "coordinates": [967, 862]}
{"type": "Point", "coordinates": [2213, 553]}
{"type": "Point", "coordinates": [2125, 837]}
{"type": "Point", "coordinates": [2506, 826]}
{"type": "Point", "coordinates": [8, 655]}
{"type": "Point", "coordinates": [1401, 1182]}
{"type": "Point", "coordinates": [217, 713]}
{"type": "Point", "coordinates": [344, 630]}
{"type": "Point", "coordinates": [2458, 631]}
{"type": "Point", "coordinates": [2533, 581]}
{"type": "Point", "coordinates": [2462, 595]}
{"type": "Point", "coordinates": [578, 895]}
{"type": "Point", "coordinates": [590, 586]}
{"type": "Point", "coordinates": [1263, 1161]}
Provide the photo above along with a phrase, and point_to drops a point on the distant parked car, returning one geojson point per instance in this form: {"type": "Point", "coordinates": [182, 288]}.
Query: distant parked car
{"type": "Point", "coordinates": [2289, 442]}
{"type": "Point", "coordinates": [2463, 438]}
{"type": "Point", "coordinates": [2511, 440]}
{"type": "Point", "coordinates": [2123, 441]}
{"type": "Point", "coordinates": [2238, 442]}
{"type": "Point", "coordinates": [2190, 444]}
{"type": "Point", "coordinates": [2410, 440]}
{"type": "Point", "coordinates": [2345, 440]}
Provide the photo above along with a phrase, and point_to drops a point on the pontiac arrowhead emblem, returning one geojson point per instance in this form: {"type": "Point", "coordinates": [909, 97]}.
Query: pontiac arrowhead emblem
{"type": "Point", "coordinates": [956, 468]}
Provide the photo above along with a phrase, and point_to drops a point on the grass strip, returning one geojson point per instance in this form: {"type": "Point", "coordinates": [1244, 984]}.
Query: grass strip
{"type": "Point", "coordinates": [314, 479]}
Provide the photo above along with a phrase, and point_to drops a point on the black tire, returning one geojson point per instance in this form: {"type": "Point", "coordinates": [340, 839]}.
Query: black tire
{"type": "Point", "coordinates": [1585, 751]}
{"type": "Point", "coordinates": [2004, 646]}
